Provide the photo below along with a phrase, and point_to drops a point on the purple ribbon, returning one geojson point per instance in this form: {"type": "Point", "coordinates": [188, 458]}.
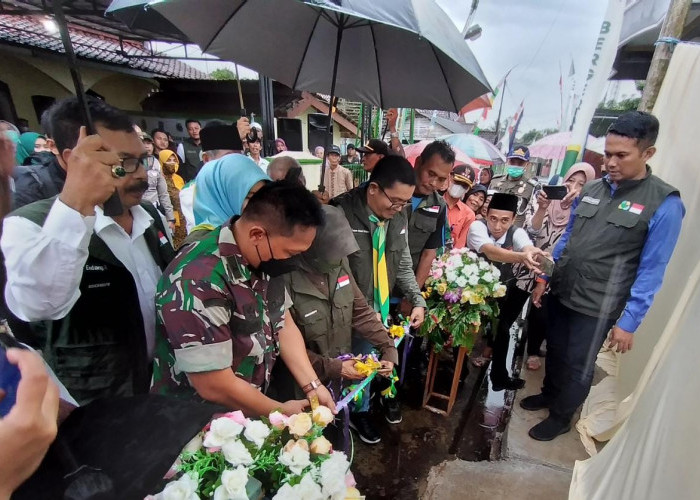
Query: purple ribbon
{"type": "Point", "coordinates": [406, 351]}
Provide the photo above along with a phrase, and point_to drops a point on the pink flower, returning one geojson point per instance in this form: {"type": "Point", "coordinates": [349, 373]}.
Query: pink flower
{"type": "Point", "coordinates": [350, 480]}
{"type": "Point", "coordinates": [278, 420]}
{"type": "Point", "coordinates": [173, 469]}
{"type": "Point", "coordinates": [237, 416]}
{"type": "Point", "coordinates": [436, 273]}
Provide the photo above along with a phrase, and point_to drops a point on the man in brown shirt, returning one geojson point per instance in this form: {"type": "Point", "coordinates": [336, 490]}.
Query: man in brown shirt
{"type": "Point", "coordinates": [338, 179]}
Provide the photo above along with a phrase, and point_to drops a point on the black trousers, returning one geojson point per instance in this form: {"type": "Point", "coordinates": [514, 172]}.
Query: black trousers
{"type": "Point", "coordinates": [537, 323]}
{"type": "Point", "coordinates": [573, 342]}
{"type": "Point", "coordinates": [511, 306]}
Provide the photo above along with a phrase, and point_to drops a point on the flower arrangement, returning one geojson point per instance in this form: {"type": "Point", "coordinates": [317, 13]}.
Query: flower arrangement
{"type": "Point", "coordinates": [461, 288]}
{"type": "Point", "coordinates": [281, 457]}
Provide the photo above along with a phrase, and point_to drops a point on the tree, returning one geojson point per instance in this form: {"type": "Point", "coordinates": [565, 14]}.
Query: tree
{"type": "Point", "coordinates": [534, 135]}
{"type": "Point", "coordinates": [222, 74]}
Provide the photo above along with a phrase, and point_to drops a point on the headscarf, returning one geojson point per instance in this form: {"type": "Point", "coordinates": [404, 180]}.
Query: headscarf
{"type": "Point", "coordinates": [279, 140]}
{"type": "Point", "coordinates": [222, 186]}
{"type": "Point", "coordinates": [557, 215]}
{"type": "Point", "coordinates": [164, 156]}
{"type": "Point", "coordinates": [25, 147]}
{"type": "Point", "coordinates": [490, 172]}
{"type": "Point", "coordinates": [333, 242]}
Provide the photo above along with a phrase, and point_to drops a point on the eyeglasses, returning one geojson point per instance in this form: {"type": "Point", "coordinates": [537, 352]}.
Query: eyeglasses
{"type": "Point", "coordinates": [398, 205]}
{"type": "Point", "coordinates": [130, 165]}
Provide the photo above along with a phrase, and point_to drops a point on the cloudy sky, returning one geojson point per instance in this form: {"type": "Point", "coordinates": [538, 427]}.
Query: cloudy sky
{"type": "Point", "coordinates": [534, 37]}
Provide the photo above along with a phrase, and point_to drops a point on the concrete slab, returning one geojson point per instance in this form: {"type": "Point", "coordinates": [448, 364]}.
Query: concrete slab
{"type": "Point", "coordinates": [505, 479]}
{"type": "Point", "coordinates": [562, 452]}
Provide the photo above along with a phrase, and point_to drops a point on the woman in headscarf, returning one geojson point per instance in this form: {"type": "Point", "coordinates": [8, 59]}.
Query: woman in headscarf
{"type": "Point", "coordinates": [545, 224]}
{"type": "Point", "coordinates": [485, 177]}
{"type": "Point", "coordinates": [170, 164]}
{"type": "Point", "coordinates": [223, 189]}
{"type": "Point", "coordinates": [475, 198]}
{"type": "Point", "coordinates": [280, 145]}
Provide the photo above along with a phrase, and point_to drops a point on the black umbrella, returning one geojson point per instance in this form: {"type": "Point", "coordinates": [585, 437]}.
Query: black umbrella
{"type": "Point", "coordinates": [403, 53]}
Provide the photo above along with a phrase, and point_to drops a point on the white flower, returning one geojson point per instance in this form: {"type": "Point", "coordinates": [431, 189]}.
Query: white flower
{"type": "Point", "coordinates": [308, 489]}
{"type": "Point", "coordinates": [323, 416]}
{"type": "Point", "coordinates": [451, 275]}
{"type": "Point", "coordinates": [295, 456]}
{"type": "Point", "coordinates": [184, 488]}
{"type": "Point", "coordinates": [483, 265]}
{"type": "Point", "coordinates": [233, 483]}
{"type": "Point", "coordinates": [471, 270]}
{"type": "Point", "coordinates": [222, 430]}
{"type": "Point", "coordinates": [473, 280]}
{"type": "Point", "coordinates": [496, 272]}
{"type": "Point", "coordinates": [256, 431]}
{"type": "Point", "coordinates": [333, 473]}
{"type": "Point", "coordinates": [236, 453]}
{"type": "Point", "coordinates": [461, 281]}
{"type": "Point", "coordinates": [287, 492]}
{"type": "Point", "coordinates": [488, 277]}
{"type": "Point", "coordinates": [454, 262]}
{"type": "Point", "coordinates": [194, 445]}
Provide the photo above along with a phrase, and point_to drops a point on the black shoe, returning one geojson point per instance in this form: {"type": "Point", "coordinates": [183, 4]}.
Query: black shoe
{"type": "Point", "coordinates": [392, 410]}
{"type": "Point", "coordinates": [534, 403]}
{"type": "Point", "coordinates": [549, 428]}
{"type": "Point", "coordinates": [510, 384]}
{"type": "Point", "coordinates": [361, 423]}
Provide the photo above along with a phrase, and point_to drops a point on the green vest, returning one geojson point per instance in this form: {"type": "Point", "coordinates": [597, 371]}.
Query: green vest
{"type": "Point", "coordinates": [354, 204]}
{"type": "Point", "coordinates": [98, 349]}
{"type": "Point", "coordinates": [597, 269]}
{"type": "Point", "coordinates": [325, 321]}
{"type": "Point", "coordinates": [193, 160]}
{"type": "Point", "coordinates": [422, 223]}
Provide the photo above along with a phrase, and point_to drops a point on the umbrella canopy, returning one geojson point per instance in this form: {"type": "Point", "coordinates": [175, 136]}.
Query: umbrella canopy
{"type": "Point", "coordinates": [137, 15]}
{"type": "Point", "coordinates": [553, 147]}
{"type": "Point", "coordinates": [480, 150]}
{"type": "Point", "coordinates": [413, 151]}
{"type": "Point", "coordinates": [404, 53]}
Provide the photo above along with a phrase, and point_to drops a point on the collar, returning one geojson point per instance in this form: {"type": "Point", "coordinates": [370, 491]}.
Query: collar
{"type": "Point", "coordinates": [627, 183]}
{"type": "Point", "coordinates": [227, 243]}
{"type": "Point", "coordinates": [142, 221]}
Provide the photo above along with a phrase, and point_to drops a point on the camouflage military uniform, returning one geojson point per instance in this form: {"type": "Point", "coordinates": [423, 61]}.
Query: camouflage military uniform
{"type": "Point", "coordinates": [214, 313]}
{"type": "Point", "coordinates": [522, 188]}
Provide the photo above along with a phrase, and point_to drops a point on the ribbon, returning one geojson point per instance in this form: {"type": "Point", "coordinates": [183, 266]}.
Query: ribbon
{"type": "Point", "coordinates": [390, 392]}
{"type": "Point", "coordinates": [352, 392]}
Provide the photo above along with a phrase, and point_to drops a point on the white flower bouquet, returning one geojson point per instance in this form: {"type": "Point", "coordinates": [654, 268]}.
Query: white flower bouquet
{"type": "Point", "coordinates": [462, 287]}
{"type": "Point", "coordinates": [279, 457]}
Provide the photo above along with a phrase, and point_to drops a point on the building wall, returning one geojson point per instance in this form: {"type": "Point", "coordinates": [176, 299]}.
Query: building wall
{"type": "Point", "coordinates": [304, 117]}
{"type": "Point", "coordinates": [28, 76]}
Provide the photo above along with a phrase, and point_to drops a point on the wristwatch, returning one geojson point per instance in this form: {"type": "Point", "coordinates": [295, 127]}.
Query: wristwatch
{"type": "Point", "coordinates": [394, 135]}
{"type": "Point", "coordinates": [311, 386]}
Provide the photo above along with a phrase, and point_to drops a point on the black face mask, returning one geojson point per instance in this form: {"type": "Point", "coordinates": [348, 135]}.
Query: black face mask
{"type": "Point", "coordinates": [276, 267]}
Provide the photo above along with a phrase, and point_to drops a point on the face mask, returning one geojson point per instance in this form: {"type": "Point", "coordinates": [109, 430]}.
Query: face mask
{"type": "Point", "coordinates": [515, 172]}
{"type": "Point", "coordinates": [457, 191]}
{"type": "Point", "coordinates": [276, 267]}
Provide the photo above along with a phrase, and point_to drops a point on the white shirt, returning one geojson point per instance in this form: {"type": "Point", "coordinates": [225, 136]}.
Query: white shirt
{"type": "Point", "coordinates": [262, 163]}
{"type": "Point", "coordinates": [45, 264]}
{"type": "Point", "coordinates": [187, 205]}
{"type": "Point", "coordinates": [479, 236]}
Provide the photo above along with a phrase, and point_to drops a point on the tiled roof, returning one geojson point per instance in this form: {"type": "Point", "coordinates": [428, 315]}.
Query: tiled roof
{"type": "Point", "coordinates": [28, 31]}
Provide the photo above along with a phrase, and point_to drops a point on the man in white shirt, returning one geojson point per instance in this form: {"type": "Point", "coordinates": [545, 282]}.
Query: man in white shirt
{"type": "Point", "coordinates": [497, 239]}
{"type": "Point", "coordinates": [90, 279]}
{"type": "Point", "coordinates": [255, 149]}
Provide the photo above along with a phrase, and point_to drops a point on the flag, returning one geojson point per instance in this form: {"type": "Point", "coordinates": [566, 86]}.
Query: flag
{"type": "Point", "coordinates": [485, 101]}
{"type": "Point", "coordinates": [513, 129]}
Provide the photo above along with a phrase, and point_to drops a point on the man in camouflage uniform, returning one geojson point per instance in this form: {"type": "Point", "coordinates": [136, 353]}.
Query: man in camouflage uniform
{"type": "Point", "coordinates": [518, 181]}
{"type": "Point", "coordinates": [223, 321]}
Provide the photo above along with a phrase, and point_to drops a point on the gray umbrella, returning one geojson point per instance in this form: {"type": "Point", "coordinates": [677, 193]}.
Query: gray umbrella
{"type": "Point", "coordinates": [390, 53]}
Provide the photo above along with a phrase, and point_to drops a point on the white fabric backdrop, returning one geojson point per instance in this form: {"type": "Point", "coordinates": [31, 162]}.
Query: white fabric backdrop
{"type": "Point", "coordinates": [653, 454]}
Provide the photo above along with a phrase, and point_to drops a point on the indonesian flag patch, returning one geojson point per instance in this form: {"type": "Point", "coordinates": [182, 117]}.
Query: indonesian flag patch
{"type": "Point", "coordinates": [162, 238]}
{"type": "Point", "coordinates": [636, 208]}
{"type": "Point", "coordinates": [433, 210]}
{"type": "Point", "coordinates": [343, 281]}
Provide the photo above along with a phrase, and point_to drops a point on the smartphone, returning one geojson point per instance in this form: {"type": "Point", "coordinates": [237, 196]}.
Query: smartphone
{"type": "Point", "coordinates": [9, 373]}
{"type": "Point", "coordinates": [546, 264]}
{"type": "Point", "coordinates": [555, 192]}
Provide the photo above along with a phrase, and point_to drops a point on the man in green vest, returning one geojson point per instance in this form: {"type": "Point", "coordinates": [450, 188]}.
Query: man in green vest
{"type": "Point", "coordinates": [517, 181]}
{"type": "Point", "coordinates": [610, 262]}
{"type": "Point", "coordinates": [376, 215]}
{"type": "Point", "coordinates": [190, 150]}
{"type": "Point", "coordinates": [428, 211]}
{"type": "Point", "coordinates": [87, 279]}
{"type": "Point", "coordinates": [328, 307]}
